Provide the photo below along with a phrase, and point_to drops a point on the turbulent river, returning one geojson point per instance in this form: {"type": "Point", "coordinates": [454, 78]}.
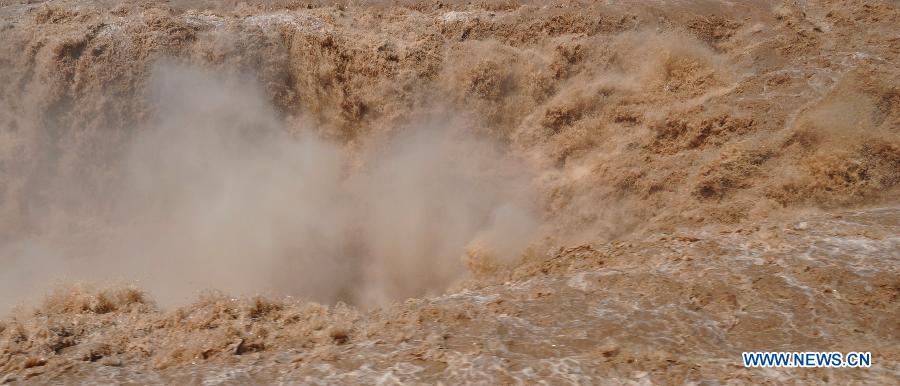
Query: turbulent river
{"type": "Point", "coordinates": [487, 192]}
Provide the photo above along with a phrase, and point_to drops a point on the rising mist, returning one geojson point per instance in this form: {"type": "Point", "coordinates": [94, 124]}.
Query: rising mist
{"type": "Point", "coordinates": [215, 192]}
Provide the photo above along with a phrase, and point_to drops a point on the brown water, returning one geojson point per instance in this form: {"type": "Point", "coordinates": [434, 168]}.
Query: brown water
{"type": "Point", "coordinates": [576, 193]}
{"type": "Point", "coordinates": [673, 308]}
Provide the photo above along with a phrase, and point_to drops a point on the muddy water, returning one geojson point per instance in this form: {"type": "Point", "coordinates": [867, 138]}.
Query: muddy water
{"type": "Point", "coordinates": [676, 308]}
{"type": "Point", "coordinates": [681, 176]}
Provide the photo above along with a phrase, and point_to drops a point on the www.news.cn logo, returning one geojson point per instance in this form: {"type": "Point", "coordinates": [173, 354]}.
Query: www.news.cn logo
{"type": "Point", "coordinates": [807, 359]}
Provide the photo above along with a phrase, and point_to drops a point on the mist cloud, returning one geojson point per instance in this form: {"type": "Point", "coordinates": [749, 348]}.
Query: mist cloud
{"type": "Point", "coordinates": [215, 192]}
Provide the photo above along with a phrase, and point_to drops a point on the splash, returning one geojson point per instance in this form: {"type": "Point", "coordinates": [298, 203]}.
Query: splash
{"type": "Point", "coordinates": [214, 192]}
